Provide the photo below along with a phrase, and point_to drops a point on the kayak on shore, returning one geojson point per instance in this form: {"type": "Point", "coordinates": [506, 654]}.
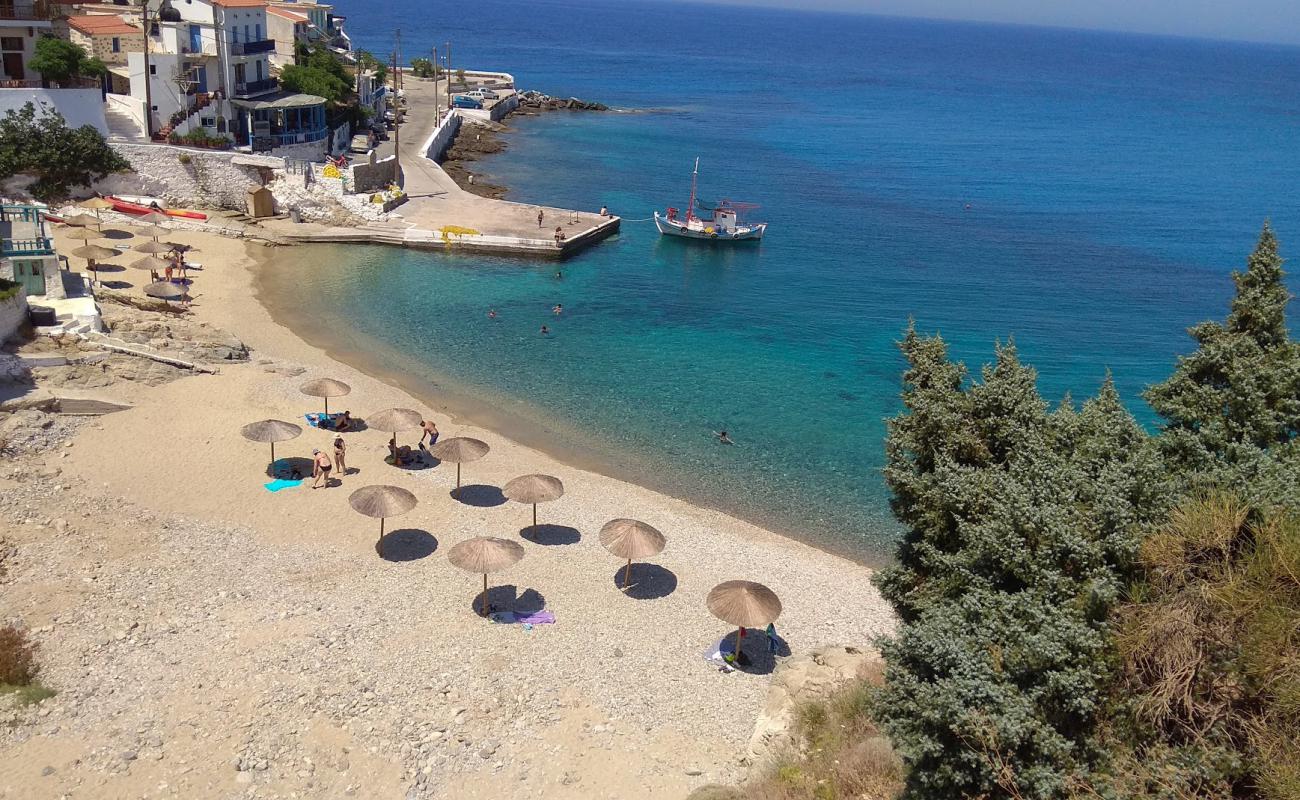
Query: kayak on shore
{"type": "Point", "coordinates": [134, 206]}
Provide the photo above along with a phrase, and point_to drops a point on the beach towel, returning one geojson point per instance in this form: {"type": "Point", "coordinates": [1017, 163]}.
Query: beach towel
{"type": "Point", "coordinates": [320, 421]}
{"type": "Point", "coordinates": [538, 618]}
{"type": "Point", "coordinates": [714, 655]}
{"type": "Point", "coordinates": [280, 483]}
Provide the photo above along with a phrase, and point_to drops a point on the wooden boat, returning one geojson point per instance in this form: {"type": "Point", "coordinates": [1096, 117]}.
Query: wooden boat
{"type": "Point", "coordinates": [720, 223]}
{"type": "Point", "coordinates": [132, 206]}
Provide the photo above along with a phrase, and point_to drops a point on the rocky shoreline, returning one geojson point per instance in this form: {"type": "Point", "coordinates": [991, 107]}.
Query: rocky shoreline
{"type": "Point", "coordinates": [480, 139]}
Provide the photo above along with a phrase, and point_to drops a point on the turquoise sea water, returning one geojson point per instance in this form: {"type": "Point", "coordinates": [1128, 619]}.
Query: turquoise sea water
{"type": "Point", "coordinates": [1112, 182]}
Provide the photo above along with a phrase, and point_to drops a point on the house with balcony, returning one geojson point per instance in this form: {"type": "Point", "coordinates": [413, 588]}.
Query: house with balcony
{"type": "Point", "coordinates": [108, 37]}
{"type": "Point", "coordinates": [22, 22]}
{"type": "Point", "coordinates": [27, 255]}
{"type": "Point", "coordinates": [288, 29]}
{"type": "Point", "coordinates": [199, 56]}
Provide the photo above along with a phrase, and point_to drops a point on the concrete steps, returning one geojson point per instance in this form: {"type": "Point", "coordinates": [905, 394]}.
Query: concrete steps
{"type": "Point", "coordinates": [122, 127]}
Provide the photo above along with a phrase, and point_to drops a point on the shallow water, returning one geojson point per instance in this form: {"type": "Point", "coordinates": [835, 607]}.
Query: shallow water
{"type": "Point", "coordinates": [1084, 193]}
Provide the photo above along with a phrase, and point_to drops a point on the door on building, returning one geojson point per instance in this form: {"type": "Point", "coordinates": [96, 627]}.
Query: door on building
{"type": "Point", "coordinates": [196, 39]}
{"type": "Point", "coordinates": [201, 75]}
{"type": "Point", "coordinates": [12, 47]}
{"type": "Point", "coordinates": [31, 276]}
{"type": "Point", "coordinates": [240, 75]}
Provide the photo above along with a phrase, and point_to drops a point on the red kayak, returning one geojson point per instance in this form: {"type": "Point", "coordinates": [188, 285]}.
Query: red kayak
{"type": "Point", "coordinates": [136, 208]}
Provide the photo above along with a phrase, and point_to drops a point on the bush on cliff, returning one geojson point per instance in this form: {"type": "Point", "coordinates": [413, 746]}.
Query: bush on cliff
{"type": "Point", "coordinates": [58, 157]}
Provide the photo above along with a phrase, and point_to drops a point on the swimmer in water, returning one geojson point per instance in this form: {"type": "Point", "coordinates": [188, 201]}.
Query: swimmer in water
{"type": "Point", "coordinates": [492, 313]}
{"type": "Point", "coordinates": [558, 310]}
{"type": "Point", "coordinates": [545, 330]}
{"type": "Point", "coordinates": [559, 275]}
{"type": "Point", "coordinates": [723, 437]}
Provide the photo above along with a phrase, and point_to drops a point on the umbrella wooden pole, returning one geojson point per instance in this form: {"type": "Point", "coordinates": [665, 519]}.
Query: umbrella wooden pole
{"type": "Point", "coordinates": [272, 459]}
{"type": "Point", "coordinates": [485, 594]}
{"type": "Point", "coordinates": [627, 573]}
{"type": "Point", "coordinates": [457, 492]}
{"type": "Point", "coordinates": [327, 406]}
{"type": "Point", "coordinates": [381, 537]}
{"type": "Point", "coordinates": [739, 631]}
{"type": "Point", "coordinates": [534, 515]}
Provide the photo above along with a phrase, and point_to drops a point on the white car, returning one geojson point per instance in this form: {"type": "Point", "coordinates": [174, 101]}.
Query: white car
{"type": "Point", "coordinates": [483, 94]}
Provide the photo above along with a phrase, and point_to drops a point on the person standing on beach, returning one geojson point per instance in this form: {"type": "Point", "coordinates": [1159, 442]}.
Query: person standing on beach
{"type": "Point", "coordinates": [430, 429]}
{"type": "Point", "coordinates": [541, 215]}
{"type": "Point", "coordinates": [340, 453]}
{"type": "Point", "coordinates": [320, 469]}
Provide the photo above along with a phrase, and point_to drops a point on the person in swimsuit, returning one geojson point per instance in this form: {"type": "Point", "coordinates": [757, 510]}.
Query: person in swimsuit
{"type": "Point", "coordinates": [541, 215]}
{"type": "Point", "coordinates": [401, 455]}
{"type": "Point", "coordinates": [723, 437]}
{"type": "Point", "coordinates": [320, 470]}
{"type": "Point", "coordinates": [545, 330]}
{"type": "Point", "coordinates": [430, 429]}
{"type": "Point", "coordinates": [343, 422]}
{"type": "Point", "coordinates": [558, 310]}
{"type": "Point", "coordinates": [340, 453]}
{"type": "Point", "coordinates": [492, 313]}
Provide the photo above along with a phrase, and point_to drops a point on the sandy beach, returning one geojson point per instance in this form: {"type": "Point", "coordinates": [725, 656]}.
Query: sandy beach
{"type": "Point", "coordinates": [208, 637]}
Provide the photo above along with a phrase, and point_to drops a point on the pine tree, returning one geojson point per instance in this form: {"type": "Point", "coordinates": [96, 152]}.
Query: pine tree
{"type": "Point", "coordinates": [1232, 407]}
{"type": "Point", "coordinates": [1021, 524]}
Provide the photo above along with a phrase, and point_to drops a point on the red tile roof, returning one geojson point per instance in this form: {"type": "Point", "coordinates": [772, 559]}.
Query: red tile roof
{"type": "Point", "coordinates": [287, 14]}
{"type": "Point", "coordinates": [102, 25]}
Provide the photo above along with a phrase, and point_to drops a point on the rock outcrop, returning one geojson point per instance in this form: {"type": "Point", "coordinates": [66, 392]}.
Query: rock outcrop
{"type": "Point", "coordinates": [800, 680]}
{"type": "Point", "coordinates": [531, 102]}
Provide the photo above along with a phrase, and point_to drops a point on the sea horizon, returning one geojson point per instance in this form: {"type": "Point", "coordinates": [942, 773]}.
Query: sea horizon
{"type": "Point", "coordinates": [1085, 194]}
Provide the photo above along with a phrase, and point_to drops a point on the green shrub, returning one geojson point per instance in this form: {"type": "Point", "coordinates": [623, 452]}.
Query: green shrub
{"type": "Point", "coordinates": [9, 289]}
{"type": "Point", "coordinates": [58, 156]}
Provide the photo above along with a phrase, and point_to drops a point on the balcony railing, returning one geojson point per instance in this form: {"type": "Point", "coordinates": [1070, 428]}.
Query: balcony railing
{"type": "Point", "coordinates": [255, 87]}
{"type": "Point", "coordinates": [252, 48]}
{"type": "Point", "coordinates": [34, 10]}
{"type": "Point", "coordinates": [26, 247]}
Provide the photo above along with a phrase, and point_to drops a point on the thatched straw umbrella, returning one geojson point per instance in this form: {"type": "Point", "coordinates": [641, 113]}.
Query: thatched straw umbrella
{"type": "Point", "coordinates": [153, 264]}
{"type": "Point", "coordinates": [93, 253]}
{"type": "Point", "coordinates": [81, 220]}
{"type": "Point", "coordinates": [533, 489]}
{"type": "Point", "coordinates": [630, 538]}
{"type": "Point", "coordinates": [744, 604]}
{"type": "Point", "coordinates": [484, 554]}
{"type": "Point", "coordinates": [326, 388]}
{"type": "Point", "coordinates": [382, 502]}
{"type": "Point", "coordinates": [270, 430]}
{"type": "Point", "coordinates": [154, 247]}
{"type": "Point", "coordinates": [165, 290]}
{"type": "Point", "coordinates": [96, 204]}
{"type": "Point", "coordinates": [82, 234]}
{"type": "Point", "coordinates": [154, 218]}
{"type": "Point", "coordinates": [152, 230]}
{"type": "Point", "coordinates": [459, 450]}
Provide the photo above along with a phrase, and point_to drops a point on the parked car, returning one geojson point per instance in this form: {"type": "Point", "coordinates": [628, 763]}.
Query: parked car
{"type": "Point", "coordinates": [360, 144]}
{"type": "Point", "coordinates": [484, 94]}
{"type": "Point", "coordinates": [463, 101]}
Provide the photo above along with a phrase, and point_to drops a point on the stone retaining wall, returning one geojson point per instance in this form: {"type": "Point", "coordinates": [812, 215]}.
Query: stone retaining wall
{"type": "Point", "coordinates": [13, 314]}
{"type": "Point", "coordinates": [209, 179]}
{"type": "Point", "coordinates": [373, 177]}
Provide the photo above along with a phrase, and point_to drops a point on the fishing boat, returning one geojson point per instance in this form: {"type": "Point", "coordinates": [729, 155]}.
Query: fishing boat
{"type": "Point", "coordinates": [720, 223]}
{"type": "Point", "coordinates": [143, 205]}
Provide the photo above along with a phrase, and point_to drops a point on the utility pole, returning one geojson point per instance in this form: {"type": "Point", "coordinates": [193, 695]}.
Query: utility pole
{"type": "Point", "coordinates": [148, 95]}
{"type": "Point", "coordinates": [397, 131]}
{"type": "Point", "coordinates": [449, 76]}
{"type": "Point", "coordinates": [436, 100]}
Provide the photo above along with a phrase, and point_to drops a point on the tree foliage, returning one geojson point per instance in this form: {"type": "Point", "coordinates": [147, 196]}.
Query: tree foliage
{"type": "Point", "coordinates": [367, 61]}
{"type": "Point", "coordinates": [61, 61]}
{"type": "Point", "coordinates": [58, 157]}
{"type": "Point", "coordinates": [1232, 407]}
{"type": "Point", "coordinates": [1021, 523]}
{"type": "Point", "coordinates": [423, 68]}
{"type": "Point", "coordinates": [318, 72]}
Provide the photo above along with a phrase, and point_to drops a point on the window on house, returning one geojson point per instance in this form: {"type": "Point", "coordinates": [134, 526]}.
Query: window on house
{"type": "Point", "coordinates": [234, 34]}
{"type": "Point", "coordinates": [208, 122]}
{"type": "Point", "coordinates": [153, 69]}
{"type": "Point", "coordinates": [246, 38]}
{"type": "Point", "coordinates": [257, 32]}
{"type": "Point", "coordinates": [117, 45]}
{"type": "Point", "coordinates": [11, 43]}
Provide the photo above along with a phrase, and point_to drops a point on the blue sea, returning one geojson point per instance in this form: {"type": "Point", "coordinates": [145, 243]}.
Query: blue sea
{"type": "Point", "coordinates": [1085, 194]}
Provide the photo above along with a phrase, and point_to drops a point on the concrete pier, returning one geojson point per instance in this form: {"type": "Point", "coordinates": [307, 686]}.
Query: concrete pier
{"type": "Point", "coordinates": [439, 214]}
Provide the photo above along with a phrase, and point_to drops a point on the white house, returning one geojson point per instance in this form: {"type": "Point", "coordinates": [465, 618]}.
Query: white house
{"type": "Point", "coordinates": [22, 22]}
{"type": "Point", "coordinates": [202, 53]}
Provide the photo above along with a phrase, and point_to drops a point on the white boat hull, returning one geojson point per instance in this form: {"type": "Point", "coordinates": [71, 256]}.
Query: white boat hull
{"type": "Point", "coordinates": [708, 233]}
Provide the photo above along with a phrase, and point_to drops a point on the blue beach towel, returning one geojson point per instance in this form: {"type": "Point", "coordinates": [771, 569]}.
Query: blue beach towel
{"type": "Point", "coordinates": [280, 483]}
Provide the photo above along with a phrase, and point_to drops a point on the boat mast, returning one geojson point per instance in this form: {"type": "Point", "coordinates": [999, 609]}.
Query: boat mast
{"type": "Point", "coordinates": [690, 207]}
